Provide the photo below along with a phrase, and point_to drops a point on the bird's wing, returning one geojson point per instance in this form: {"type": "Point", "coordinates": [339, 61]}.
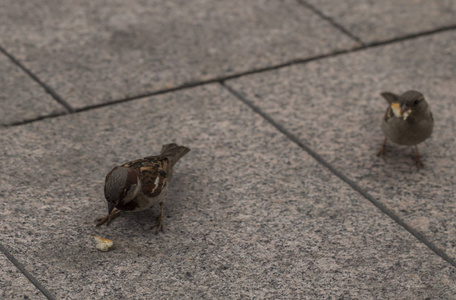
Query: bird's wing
{"type": "Point", "coordinates": [390, 97]}
{"type": "Point", "coordinates": [152, 172]}
{"type": "Point", "coordinates": [389, 113]}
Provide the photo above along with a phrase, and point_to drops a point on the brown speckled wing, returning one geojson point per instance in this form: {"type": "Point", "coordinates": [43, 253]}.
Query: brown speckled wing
{"type": "Point", "coordinates": [152, 172]}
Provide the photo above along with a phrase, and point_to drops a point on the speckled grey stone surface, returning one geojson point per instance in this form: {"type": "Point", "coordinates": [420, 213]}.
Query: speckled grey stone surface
{"type": "Point", "coordinates": [249, 214]}
{"type": "Point", "coordinates": [14, 285]}
{"type": "Point", "coordinates": [95, 51]}
{"type": "Point", "coordinates": [334, 106]}
{"type": "Point", "coordinates": [374, 21]}
{"type": "Point", "coordinates": [21, 98]}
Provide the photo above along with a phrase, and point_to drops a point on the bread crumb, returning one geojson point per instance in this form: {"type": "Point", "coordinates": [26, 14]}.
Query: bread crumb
{"type": "Point", "coordinates": [406, 113]}
{"type": "Point", "coordinates": [103, 244]}
{"type": "Point", "coordinates": [397, 111]}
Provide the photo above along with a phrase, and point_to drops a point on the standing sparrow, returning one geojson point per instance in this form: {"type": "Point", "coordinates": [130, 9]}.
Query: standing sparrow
{"type": "Point", "coordinates": [139, 184]}
{"type": "Point", "coordinates": [407, 121]}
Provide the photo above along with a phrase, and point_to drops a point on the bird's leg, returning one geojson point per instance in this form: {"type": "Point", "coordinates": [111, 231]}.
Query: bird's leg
{"type": "Point", "coordinates": [418, 162]}
{"type": "Point", "coordinates": [382, 151]}
{"type": "Point", "coordinates": [108, 218]}
{"type": "Point", "coordinates": [159, 225]}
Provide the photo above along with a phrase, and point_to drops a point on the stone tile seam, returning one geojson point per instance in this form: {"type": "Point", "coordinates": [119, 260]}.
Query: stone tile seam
{"type": "Point", "coordinates": [418, 235]}
{"type": "Point", "coordinates": [24, 271]}
{"type": "Point", "coordinates": [48, 89]}
{"type": "Point", "coordinates": [330, 21]}
{"type": "Point", "coordinates": [32, 120]}
{"type": "Point", "coordinates": [220, 79]}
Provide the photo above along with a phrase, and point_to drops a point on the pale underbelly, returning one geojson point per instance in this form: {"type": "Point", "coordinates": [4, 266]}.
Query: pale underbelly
{"type": "Point", "coordinates": [145, 202]}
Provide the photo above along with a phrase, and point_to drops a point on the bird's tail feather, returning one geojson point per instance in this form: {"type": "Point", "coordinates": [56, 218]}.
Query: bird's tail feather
{"type": "Point", "coordinates": [173, 152]}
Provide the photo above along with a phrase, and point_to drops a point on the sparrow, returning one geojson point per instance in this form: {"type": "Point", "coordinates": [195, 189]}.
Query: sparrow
{"type": "Point", "coordinates": [139, 184]}
{"type": "Point", "coordinates": [408, 121]}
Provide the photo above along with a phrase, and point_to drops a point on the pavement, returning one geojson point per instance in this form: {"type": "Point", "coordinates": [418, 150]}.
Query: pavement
{"type": "Point", "coordinates": [282, 195]}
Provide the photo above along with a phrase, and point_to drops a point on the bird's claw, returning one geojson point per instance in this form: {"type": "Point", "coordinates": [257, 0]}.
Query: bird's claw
{"type": "Point", "coordinates": [418, 162]}
{"type": "Point", "coordinates": [108, 218]}
{"type": "Point", "coordinates": [382, 151]}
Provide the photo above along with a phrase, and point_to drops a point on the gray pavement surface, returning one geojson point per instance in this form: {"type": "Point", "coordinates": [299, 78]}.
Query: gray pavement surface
{"type": "Point", "coordinates": [340, 120]}
{"type": "Point", "coordinates": [13, 284]}
{"type": "Point", "coordinates": [93, 52]}
{"type": "Point", "coordinates": [374, 21]}
{"type": "Point", "coordinates": [282, 195]}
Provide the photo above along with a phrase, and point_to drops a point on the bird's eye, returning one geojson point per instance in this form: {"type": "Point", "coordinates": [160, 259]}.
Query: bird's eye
{"type": "Point", "coordinates": [416, 102]}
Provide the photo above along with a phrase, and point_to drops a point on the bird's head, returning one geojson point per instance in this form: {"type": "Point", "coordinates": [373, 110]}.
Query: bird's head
{"type": "Point", "coordinates": [410, 103]}
{"type": "Point", "coordinates": [121, 186]}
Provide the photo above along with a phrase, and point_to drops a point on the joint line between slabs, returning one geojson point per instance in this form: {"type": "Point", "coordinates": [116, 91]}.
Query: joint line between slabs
{"type": "Point", "coordinates": [33, 120]}
{"type": "Point", "coordinates": [331, 21]}
{"type": "Point", "coordinates": [344, 178]}
{"type": "Point", "coordinates": [29, 276]}
{"type": "Point", "coordinates": [48, 89]}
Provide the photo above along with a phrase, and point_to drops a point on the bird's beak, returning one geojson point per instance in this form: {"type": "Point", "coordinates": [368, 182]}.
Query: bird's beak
{"type": "Point", "coordinates": [110, 207]}
{"type": "Point", "coordinates": [404, 108]}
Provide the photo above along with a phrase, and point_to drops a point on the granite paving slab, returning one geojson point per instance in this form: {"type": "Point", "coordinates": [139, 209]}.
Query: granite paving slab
{"type": "Point", "coordinates": [375, 21]}
{"type": "Point", "coordinates": [21, 98]}
{"type": "Point", "coordinates": [14, 285]}
{"type": "Point", "coordinates": [91, 52]}
{"type": "Point", "coordinates": [249, 214]}
{"type": "Point", "coordinates": [334, 106]}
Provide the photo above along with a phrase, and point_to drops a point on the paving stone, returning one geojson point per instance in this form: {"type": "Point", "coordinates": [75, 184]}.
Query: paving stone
{"type": "Point", "coordinates": [249, 213]}
{"type": "Point", "coordinates": [14, 285]}
{"type": "Point", "coordinates": [92, 52]}
{"type": "Point", "coordinates": [334, 106]}
{"type": "Point", "coordinates": [374, 21]}
{"type": "Point", "coordinates": [21, 98]}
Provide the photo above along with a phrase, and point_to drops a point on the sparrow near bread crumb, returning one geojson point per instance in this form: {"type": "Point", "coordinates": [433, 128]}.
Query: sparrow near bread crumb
{"type": "Point", "coordinates": [408, 121]}
{"type": "Point", "coordinates": [139, 184]}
